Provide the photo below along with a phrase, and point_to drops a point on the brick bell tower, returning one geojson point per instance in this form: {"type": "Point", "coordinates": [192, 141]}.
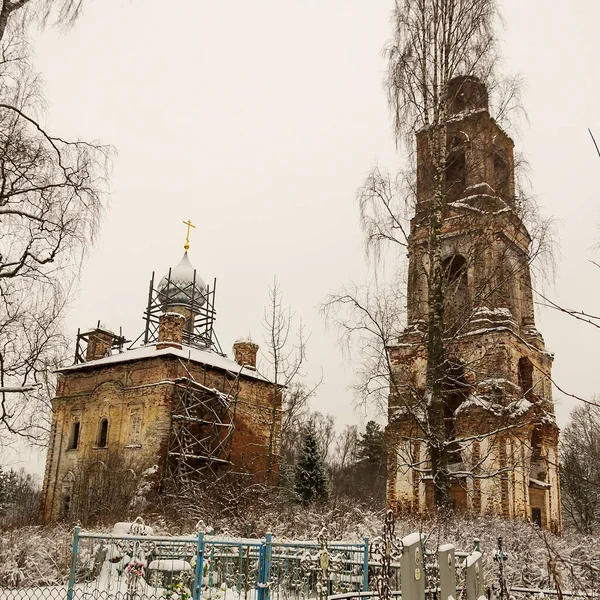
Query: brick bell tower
{"type": "Point", "coordinates": [500, 428]}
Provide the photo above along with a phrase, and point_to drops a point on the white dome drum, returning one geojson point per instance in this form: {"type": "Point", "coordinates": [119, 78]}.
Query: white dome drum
{"type": "Point", "coordinates": [184, 287]}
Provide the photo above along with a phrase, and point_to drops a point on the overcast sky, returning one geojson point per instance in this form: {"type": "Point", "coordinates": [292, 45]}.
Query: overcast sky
{"type": "Point", "coordinates": [258, 119]}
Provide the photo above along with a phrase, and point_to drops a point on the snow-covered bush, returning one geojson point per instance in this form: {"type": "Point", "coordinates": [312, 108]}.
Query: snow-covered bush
{"type": "Point", "coordinates": [35, 556]}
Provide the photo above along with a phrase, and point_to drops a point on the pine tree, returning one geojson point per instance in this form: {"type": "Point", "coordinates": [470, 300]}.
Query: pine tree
{"type": "Point", "coordinates": [310, 477]}
{"type": "Point", "coordinates": [371, 445]}
{"type": "Point", "coordinates": [370, 469]}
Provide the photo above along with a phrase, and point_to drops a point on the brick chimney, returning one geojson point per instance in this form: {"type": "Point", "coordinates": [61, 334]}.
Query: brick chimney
{"type": "Point", "coordinates": [99, 344]}
{"type": "Point", "coordinates": [170, 330]}
{"type": "Point", "coordinates": [244, 352]}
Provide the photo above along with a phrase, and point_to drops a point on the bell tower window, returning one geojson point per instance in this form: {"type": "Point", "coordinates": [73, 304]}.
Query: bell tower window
{"type": "Point", "coordinates": [455, 393]}
{"type": "Point", "coordinates": [455, 173]}
{"type": "Point", "coordinates": [536, 446]}
{"type": "Point", "coordinates": [501, 176]}
{"type": "Point", "coordinates": [526, 377]}
{"type": "Point", "coordinates": [456, 292]}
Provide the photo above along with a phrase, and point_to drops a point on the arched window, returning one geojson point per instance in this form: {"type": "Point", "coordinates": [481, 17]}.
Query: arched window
{"type": "Point", "coordinates": [500, 176]}
{"type": "Point", "coordinates": [526, 377]}
{"type": "Point", "coordinates": [538, 469]}
{"type": "Point", "coordinates": [454, 268]}
{"type": "Point", "coordinates": [102, 433]}
{"type": "Point", "coordinates": [65, 509]}
{"type": "Point", "coordinates": [536, 445]}
{"type": "Point", "coordinates": [456, 293]}
{"type": "Point", "coordinates": [135, 427]}
{"type": "Point", "coordinates": [455, 393]}
{"type": "Point", "coordinates": [68, 483]}
{"type": "Point", "coordinates": [74, 437]}
{"type": "Point", "coordinates": [455, 173]}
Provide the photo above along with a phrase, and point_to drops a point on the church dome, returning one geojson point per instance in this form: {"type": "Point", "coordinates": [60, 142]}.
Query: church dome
{"type": "Point", "coordinates": [183, 288]}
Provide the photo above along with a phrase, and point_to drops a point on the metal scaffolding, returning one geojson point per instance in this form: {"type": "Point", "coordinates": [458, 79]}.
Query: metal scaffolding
{"type": "Point", "coordinates": [199, 307]}
{"type": "Point", "coordinates": [202, 425]}
{"type": "Point", "coordinates": [83, 339]}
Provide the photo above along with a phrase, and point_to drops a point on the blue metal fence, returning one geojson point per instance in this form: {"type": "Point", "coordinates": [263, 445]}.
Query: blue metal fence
{"type": "Point", "coordinates": [137, 566]}
{"type": "Point", "coordinates": [198, 567]}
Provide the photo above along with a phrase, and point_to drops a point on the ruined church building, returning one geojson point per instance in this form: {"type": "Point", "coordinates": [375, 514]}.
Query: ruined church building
{"type": "Point", "coordinates": [171, 402]}
{"type": "Point", "coordinates": [498, 411]}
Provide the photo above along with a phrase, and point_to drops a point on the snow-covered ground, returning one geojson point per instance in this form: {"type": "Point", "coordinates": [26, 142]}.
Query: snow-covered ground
{"type": "Point", "coordinates": [34, 561]}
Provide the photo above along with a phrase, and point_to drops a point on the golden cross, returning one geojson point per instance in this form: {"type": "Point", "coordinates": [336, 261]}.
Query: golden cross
{"type": "Point", "coordinates": [186, 246]}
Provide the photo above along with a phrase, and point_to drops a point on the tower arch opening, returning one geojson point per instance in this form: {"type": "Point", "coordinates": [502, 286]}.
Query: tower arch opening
{"type": "Point", "coordinates": [538, 478]}
{"type": "Point", "coordinates": [501, 175]}
{"type": "Point", "coordinates": [455, 393]}
{"type": "Point", "coordinates": [456, 292]}
{"type": "Point", "coordinates": [455, 173]}
{"type": "Point", "coordinates": [525, 377]}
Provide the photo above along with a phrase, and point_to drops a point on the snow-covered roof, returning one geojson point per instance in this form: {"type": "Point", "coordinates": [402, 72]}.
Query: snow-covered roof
{"type": "Point", "coordinates": [205, 357]}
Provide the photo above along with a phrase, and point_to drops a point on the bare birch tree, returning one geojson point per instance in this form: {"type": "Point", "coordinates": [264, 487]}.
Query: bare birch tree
{"type": "Point", "coordinates": [369, 318]}
{"type": "Point", "coordinates": [437, 42]}
{"type": "Point", "coordinates": [51, 198]}
{"type": "Point", "coordinates": [284, 355]}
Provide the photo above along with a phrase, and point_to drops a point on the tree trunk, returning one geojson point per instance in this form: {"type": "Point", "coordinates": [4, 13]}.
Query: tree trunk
{"type": "Point", "coordinates": [436, 358]}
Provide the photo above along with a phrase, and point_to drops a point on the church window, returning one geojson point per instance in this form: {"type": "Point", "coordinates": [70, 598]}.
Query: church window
{"type": "Point", "coordinates": [102, 441]}
{"type": "Point", "coordinates": [536, 445]}
{"type": "Point", "coordinates": [67, 494]}
{"type": "Point", "coordinates": [454, 395]}
{"type": "Point", "coordinates": [455, 167]}
{"type": "Point", "coordinates": [451, 402]}
{"type": "Point", "coordinates": [536, 516]}
{"type": "Point", "coordinates": [66, 505]}
{"type": "Point", "coordinates": [500, 176]}
{"type": "Point", "coordinates": [526, 377]}
{"type": "Point", "coordinates": [454, 268]}
{"type": "Point", "coordinates": [456, 170]}
{"type": "Point", "coordinates": [456, 292]}
{"type": "Point", "coordinates": [135, 427]}
{"type": "Point", "coordinates": [74, 439]}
